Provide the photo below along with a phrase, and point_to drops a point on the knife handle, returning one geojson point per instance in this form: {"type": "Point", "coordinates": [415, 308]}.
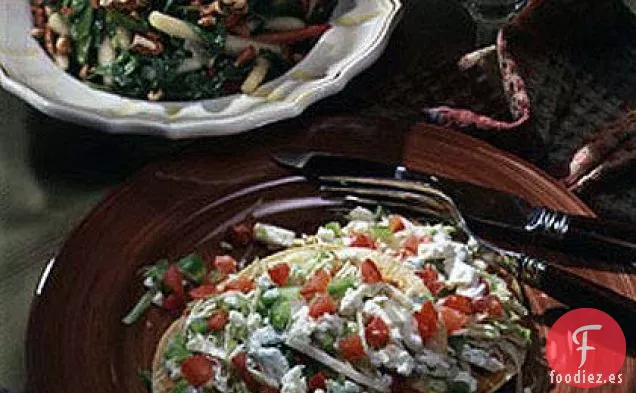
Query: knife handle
{"type": "Point", "coordinates": [578, 292]}
{"type": "Point", "coordinates": [608, 238]}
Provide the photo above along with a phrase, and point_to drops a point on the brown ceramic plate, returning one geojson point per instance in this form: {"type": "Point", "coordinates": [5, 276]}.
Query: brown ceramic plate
{"type": "Point", "coordinates": [76, 342]}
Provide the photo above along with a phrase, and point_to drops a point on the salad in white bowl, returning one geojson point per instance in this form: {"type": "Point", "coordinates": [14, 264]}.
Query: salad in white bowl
{"type": "Point", "coordinates": [186, 68]}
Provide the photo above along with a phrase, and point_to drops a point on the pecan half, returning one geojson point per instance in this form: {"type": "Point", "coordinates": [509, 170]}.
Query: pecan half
{"type": "Point", "coordinates": [126, 5]}
{"type": "Point", "coordinates": [155, 95]}
{"type": "Point", "coordinates": [63, 45]}
{"type": "Point", "coordinates": [146, 45]}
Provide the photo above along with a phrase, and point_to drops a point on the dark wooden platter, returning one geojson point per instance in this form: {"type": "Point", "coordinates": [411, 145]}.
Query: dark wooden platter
{"type": "Point", "coordinates": [76, 342]}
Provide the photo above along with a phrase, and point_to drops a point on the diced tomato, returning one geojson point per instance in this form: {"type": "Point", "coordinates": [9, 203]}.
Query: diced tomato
{"type": "Point", "coordinates": [279, 274]}
{"type": "Point", "coordinates": [453, 319]}
{"type": "Point", "coordinates": [322, 304]}
{"type": "Point", "coordinates": [411, 244]}
{"type": "Point", "coordinates": [376, 332]}
{"type": "Point", "coordinates": [317, 284]}
{"type": "Point", "coordinates": [459, 303]}
{"type": "Point", "coordinates": [370, 272]}
{"type": "Point", "coordinates": [240, 234]}
{"type": "Point", "coordinates": [436, 287]}
{"type": "Point", "coordinates": [173, 303]}
{"type": "Point", "coordinates": [396, 223]}
{"type": "Point", "coordinates": [239, 361]}
{"type": "Point", "coordinates": [173, 280]}
{"type": "Point", "coordinates": [225, 264]}
{"type": "Point", "coordinates": [197, 370]}
{"type": "Point", "coordinates": [428, 275]}
{"type": "Point", "coordinates": [317, 381]}
{"type": "Point", "coordinates": [241, 284]}
{"type": "Point", "coordinates": [217, 320]}
{"type": "Point", "coordinates": [426, 320]}
{"type": "Point", "coordinates": [204, 290]}
{"type": "Point", "coordinates": [489, 304]}
{"type": "Point", "coordinates": [362, 240]}
{"type": "Point", "coordinates": [351, 348]}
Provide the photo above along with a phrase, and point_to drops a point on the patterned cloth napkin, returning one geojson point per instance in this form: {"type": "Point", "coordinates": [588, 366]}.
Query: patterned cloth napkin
{"type": "Point", "coordinates": [559, 56]}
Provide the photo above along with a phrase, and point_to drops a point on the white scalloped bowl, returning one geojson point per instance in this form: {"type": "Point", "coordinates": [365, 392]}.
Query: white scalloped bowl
{"type": "Point", "coordinates": [361, 30]}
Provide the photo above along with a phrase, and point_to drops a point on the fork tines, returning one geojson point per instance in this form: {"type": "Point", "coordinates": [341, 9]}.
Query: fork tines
{"type": "Point", "coordinates": [409, 195]}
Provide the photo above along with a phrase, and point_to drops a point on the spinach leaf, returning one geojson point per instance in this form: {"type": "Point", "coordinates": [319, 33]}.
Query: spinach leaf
{"type": "Point", "coordinates": [115, 18]}
{"type": "Point", "coordinates": [81, 31]}
{"type": "Point", "coordinates": [135, 75]}
{"type": "Point", "coordinates": [213, 40]}
{"type": "Point", "coordinates": [97, 29]}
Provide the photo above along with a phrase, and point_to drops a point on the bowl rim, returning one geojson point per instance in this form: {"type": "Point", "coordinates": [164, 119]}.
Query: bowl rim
{"type": "Point", "coordinates": [194, 128]}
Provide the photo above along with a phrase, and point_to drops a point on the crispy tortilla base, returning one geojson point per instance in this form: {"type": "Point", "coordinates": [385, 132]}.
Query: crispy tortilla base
{"type": "Point", "coordinates": [393, 271]}
{"type": "Point", "coordinates": [161, 382]}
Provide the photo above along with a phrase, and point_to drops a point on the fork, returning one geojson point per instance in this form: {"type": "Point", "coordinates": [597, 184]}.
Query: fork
{"type": "Point", "coordinates": [571, 289]}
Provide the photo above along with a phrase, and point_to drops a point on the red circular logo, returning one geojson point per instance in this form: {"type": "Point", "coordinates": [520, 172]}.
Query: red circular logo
{"type": "Point", "coordinates": [585, 349]}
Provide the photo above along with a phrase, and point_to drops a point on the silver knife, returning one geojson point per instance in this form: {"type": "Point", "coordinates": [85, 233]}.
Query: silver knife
{"type": "Point", "coordinates": [488, 209]}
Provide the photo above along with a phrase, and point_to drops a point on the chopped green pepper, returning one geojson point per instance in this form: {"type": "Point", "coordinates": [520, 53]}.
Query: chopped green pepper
{"type": "Point", "coordinates": [339, 285]}
{"type": "Point", "coordinates": [261, 308]}
{"type": "Point", "coordinates": [199, 326]}
{"type": "Point", "coordinates": [156, 271]}
{"type": "Point", "coordinates": [270, 296]}
{"type": "Point", "coordinates": [193, 267]}
{"type": "Point", "coordinates": [382, 233]}
{"type": "Point", "coordinates": [326, 341]}
{"type": "Point", "coordinates": [177, 350]}
{"type": "Point", "coordinates": [280, 314]}
{"type": "Point", "coordinates": [335, 227]}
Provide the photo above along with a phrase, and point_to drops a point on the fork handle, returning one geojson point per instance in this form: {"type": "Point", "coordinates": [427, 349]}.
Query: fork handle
{"type": "Point", "coordinates": [578, 292]}
{"type": "Point", "coordinates": [609, 239]}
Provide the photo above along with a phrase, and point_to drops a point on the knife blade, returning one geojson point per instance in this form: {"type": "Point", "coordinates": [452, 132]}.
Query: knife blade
{"type": "Point", "coordinates": [487, 209]}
